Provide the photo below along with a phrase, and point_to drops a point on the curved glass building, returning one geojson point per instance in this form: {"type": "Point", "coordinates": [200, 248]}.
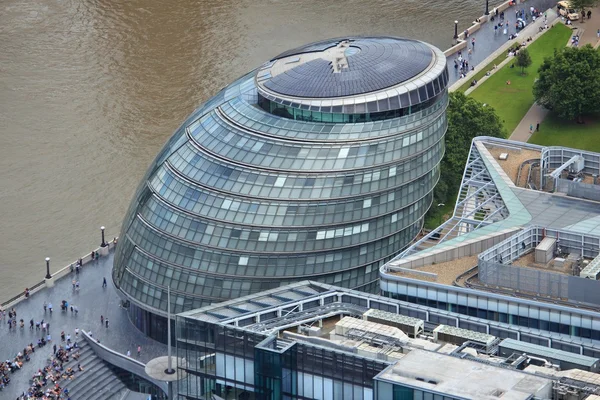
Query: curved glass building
{"type": "Point", "coordinates": [319, 165]}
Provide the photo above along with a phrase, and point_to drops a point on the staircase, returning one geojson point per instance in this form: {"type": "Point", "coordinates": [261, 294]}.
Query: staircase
{"type": "Point", "coordinates": [96, 382]}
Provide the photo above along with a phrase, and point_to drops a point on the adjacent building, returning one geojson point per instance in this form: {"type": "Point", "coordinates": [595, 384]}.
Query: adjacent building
{"type": "Point", "coordinates": [310, 340]}
{"type": "Point", "coordinates": [319, 164]}
{"type": "Point", "coordinates": [521, 251]}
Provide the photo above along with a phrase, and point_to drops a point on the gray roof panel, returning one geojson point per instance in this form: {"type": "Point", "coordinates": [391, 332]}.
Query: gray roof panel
{"type": "Point", "coordinates": [380, 63]}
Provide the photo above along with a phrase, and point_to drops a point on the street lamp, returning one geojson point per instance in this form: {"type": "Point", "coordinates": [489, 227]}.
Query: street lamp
{"type": "Point", "coordinates": [455, 29]}
{"type": "Point", "coordinates": [48, 276]}
{"type": "Point", "coordinates": [487, 7]}
{"type": "Point", "coordinates": [103, 244]}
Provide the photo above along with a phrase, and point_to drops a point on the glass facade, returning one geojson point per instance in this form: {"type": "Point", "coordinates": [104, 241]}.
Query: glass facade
{"type": "Point", "coordinates": [243, 199]}
{"type": "Point", "coordinates": [533, 316]}
{"type": "Point", "coordinates": [392, 391]}
{"type": "Point", "coordinates": [232, 363]}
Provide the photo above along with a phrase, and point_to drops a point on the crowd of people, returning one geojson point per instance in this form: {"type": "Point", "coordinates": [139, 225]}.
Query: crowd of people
{"type": "Point", "coordinates": [8, 367]}
{"type": "Point", "coordinates": [46, 382]}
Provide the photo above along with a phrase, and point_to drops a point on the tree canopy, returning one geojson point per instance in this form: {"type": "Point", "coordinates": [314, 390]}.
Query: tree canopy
{"type": "Point", "coordinates": [582, 5]}
{"type": "Point", "coordinates": [523, 60]}
{"type": "Point", "coordinates": [569, 83]}
{"type": "Point", "coordinates": [467, 118]}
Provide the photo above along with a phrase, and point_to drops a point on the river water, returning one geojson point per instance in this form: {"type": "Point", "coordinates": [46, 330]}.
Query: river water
{"type": "Point", "coordinates": [90, 91]}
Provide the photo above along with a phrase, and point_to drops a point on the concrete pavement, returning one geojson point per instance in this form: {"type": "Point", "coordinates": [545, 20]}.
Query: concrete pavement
{"type": "Point", "coordinates": [487, 41]}
{"type": "Point", "coordinates": [92, 301]}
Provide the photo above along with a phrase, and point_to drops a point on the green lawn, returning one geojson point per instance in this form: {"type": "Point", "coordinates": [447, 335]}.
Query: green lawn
{"type": "Point", "coordinates": [512, 102]}
{"type": "Point", "coordinates": [482, 73]}
{"type": "Point", "coordinates": [557, 132]}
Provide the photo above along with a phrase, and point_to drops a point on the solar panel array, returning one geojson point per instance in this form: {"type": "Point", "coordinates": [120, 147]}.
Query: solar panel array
{"type": "Point", "coordinates": [380, 64]}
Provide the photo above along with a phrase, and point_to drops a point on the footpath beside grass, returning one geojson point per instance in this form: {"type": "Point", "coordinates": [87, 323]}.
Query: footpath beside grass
{"type": "Point", "coordinates": [496, 61]}
{"type": "Point", "coordinates": [512, 102]}
{"type": "Point", "coordinates": [557, 132]}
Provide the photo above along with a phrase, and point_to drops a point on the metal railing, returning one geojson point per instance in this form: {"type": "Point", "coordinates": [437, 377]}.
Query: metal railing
{"type": "Point", "coordinates": [61, 273]}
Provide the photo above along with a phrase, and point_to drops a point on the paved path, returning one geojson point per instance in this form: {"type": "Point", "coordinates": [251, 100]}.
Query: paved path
{"type": "Point", "coordinates": [536, 113]}
{"type": "Point", "coordinates": [487, 41]}
{"type": "Point", "coordinates": [92, 301]}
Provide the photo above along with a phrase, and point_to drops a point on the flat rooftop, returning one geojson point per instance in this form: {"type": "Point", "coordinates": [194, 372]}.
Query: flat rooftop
{"type": "Point", "coordinates": [463, 378]}
{"type": "Point", "coordinates": [446, 272]}
{"type": "Point", "coordinates": [496, 200]}
{"type": "Point", "coordinates": [514, 163]}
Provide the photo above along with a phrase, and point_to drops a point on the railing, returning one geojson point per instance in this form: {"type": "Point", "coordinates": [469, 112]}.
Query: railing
{"type": "Point", "coordinates": [123, 362]}
{"type": "Point", "coordinates": [56, 275]}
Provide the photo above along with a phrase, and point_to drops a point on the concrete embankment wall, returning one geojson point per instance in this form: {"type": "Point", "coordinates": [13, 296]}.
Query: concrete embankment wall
{"type": "Point", "coordinates": [61, 273]}
{"type": "Point", "coordinates": [461, 42]}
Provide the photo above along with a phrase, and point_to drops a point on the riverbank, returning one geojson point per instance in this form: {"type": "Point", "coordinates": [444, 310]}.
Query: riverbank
{"type": "Point", "coordinates": [92, 301]}
{"type": "Point", "coordinates": [487, 39]}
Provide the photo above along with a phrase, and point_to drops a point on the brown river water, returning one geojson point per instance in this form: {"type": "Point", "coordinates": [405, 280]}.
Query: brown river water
{"type": "Point", "coordinates": [91, 89]}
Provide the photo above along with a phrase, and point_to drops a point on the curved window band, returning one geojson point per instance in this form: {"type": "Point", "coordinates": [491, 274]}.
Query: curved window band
{"type": "Point", "coordinates": [297, 114]}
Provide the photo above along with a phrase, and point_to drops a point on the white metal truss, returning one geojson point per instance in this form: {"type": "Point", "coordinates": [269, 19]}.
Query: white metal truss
{"type": "Point", "coordinates": [478, 204]}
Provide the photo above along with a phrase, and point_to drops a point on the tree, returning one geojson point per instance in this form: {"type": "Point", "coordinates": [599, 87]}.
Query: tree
{"type": "Point", "coordinates": [523, 60]}
{"type": "Point", "coordinates": [582, 5]}
{"type": "Point", "coordinates": [569, 83]}
{"type": "Point", "coordinates": [467, 118]}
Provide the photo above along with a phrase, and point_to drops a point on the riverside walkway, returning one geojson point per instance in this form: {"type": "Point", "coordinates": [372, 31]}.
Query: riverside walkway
{"type": "Point", "coordinates": [92, 300]}
{"type": "Point", "coordinates": [487, 41]}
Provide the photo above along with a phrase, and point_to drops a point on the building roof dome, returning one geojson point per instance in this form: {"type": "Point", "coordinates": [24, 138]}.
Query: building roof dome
{"type": "Point", "coordinates": [345, 67]}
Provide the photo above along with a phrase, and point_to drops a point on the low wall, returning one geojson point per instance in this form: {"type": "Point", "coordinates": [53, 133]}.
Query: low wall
{"type": "Point", "coordinates": [61, 273]}
{"type": "Point", "coordinates": [578, 189]}
{"type": "Point", "coordinates": [452, 252]}
{"type": "Point", "coordinates": [461, 43]}
{"type": "Point", "coordinates": [503, 49]}
{"type": "Point", "coordinates": [123, 362]}
{"type": "Point", "coordinates": [419, 274]}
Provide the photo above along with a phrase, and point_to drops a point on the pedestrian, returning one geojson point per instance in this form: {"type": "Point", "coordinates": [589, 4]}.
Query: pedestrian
{"type": "Point", "coordinates": [62, 336]}
{"type": "Point", "coordinates": [76, 332]}
{"type": "Point", "coordinates": [598, 33]}
{"type": "Point", "coordinates": [48, 338]}
{"type": "Point", "coordinates": [45, 307]}
{"type": "Point", "coordinates": [37, 325]}
{"type": "Point", "coordinates": [473, 43]}
{"type": "Point", "coordinates": [31, 324]}
{"type": "Point", "coordinates": [531, 128]}
{"type": "Point", "coordinates": [71, 308]}
{"type": "Point", "coordinates": [50, 307]}
{"type": "Point", "coordinates": [77, 286]}
{"type": "Point", "coordinates": [48, 326]}
{"type": "Point", "coordinates": [68, 338]}
{"type": "Point", "coordinates": [54, 348]}
{"type": "Point", "coordinates": [537, 126]}
{"type": "Point", "coordinates": [104, 282]}
{"type": "Point", "coordinates": [102, 320]}
{"type": "Point", "coordinates": [106, 321]}
{"type": "Point", "coordinates": [589, 14]}
{"type": "Point", "coordinates": [77, 270]}
{"type": "Point", "coordinates": [139, 349]}
{"type": "Point", "coordinates": [128, 353]}
{"type": "Point", "coordinates": [76, 310]}
{"type": "Point", "coordinates": [73, 283]}
{"type": "Point", "coordinates": [10, 324]}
